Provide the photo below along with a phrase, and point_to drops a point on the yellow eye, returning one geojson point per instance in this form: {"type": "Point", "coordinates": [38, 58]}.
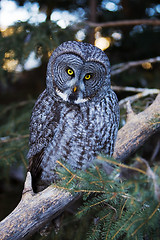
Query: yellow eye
{"type": "Point", "coordinates": [70, 71]}
{"type": "Point", "coordinates": [87, 76]}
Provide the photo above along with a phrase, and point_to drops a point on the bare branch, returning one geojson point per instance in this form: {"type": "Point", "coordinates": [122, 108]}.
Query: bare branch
{"type": "Point", "coordinates": [137, 131]}
{"type": "Point", "coordinates": [154, 22]}
{"type": "Point", "coordinates": [135, 97]}
{"type": "Point", "coordinates": [142, 92]}
{"type": "Point", "coordinates": [119, 68]}
{"type": "Point", "coordinates": [34, 211]}
{"type": "Point", "coordinates": [133, 89]}
{"type": "Point", "coordinates": [130, 113]}
{"type": "Point", "coordinates": [7, 139]}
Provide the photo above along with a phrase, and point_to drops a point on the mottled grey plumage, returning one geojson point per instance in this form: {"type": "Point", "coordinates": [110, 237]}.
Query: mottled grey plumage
{"type": "Point", "coordinates": [75, 118]}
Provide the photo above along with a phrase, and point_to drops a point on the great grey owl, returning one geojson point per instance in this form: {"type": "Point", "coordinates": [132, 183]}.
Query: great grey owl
{"type": "Point", "coordinates": [77, 115]}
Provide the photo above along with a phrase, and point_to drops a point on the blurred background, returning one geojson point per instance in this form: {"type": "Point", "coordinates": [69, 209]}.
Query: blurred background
{"type": "Point", "coordinates": [31, 30]}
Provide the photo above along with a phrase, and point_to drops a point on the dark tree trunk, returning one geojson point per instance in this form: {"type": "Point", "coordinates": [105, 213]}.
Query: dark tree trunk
{"type": "Point", "coordinates": [92, 18]}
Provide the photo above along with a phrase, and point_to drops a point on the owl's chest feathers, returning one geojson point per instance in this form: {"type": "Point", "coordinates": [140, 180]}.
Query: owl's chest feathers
{"type": "Point", "coordinates": [83, 121]}
{"type": "Point", "coordinates": [77, 138]}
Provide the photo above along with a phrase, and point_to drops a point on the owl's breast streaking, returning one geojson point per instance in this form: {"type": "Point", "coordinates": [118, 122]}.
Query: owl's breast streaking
{"type": "Point", "coordinates": [81, 132]}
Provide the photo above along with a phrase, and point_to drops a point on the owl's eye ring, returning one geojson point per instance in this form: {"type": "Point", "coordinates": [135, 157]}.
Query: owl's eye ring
{"type": "Point", "coordinates": [70, 72]}
{"type": "Point", "coordinates": [88, 76]}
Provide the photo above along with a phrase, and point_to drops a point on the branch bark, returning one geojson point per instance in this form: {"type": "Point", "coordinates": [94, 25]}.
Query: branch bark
{"type": "Point", "coordinates": [35, 210]}
{"type": "Point", "coordinates": [137, 130]}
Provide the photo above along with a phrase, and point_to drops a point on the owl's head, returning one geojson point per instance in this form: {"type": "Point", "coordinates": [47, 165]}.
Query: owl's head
{"type": "Point", "coordinates": [78, 72]}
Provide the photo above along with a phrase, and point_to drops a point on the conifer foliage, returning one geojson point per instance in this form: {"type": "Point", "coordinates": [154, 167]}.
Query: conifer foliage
{"type": "Point", "coordinates": [116, 207]}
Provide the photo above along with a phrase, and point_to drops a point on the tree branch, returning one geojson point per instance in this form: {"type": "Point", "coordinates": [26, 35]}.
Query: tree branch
{"type": "Point", "coordinates": [35, 210]}
{"type": "Point", "coordinates": [142, 92]}
{"type": "Point", "coordinates": [119, 68]}
{"type": "Point", "coordinates": [134, 89]}
{"type": "Point", "coordinates": [153, 22]}
{"type": "Point", "coordinates": [7, 139]}
{"type": "Point", "coordinates": [137, 131]}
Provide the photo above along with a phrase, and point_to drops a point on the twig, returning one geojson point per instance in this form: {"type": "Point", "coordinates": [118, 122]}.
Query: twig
{"type": "Point", "coordinates": [118, 68]}
{"type": "Point", "coordinates": [7, 139]}
{"type": "Point", "coordinates": [130, 113]}
{"type": "Point", "coordinates": [156, 150]}
{"type": "Point", "coordinates": [153, 22]}
{"type": "Point", "coordinates": [133, 89]}
{"type": "Point", "coordinates": [142, 92]}
{"type": "Point", "coordinates": [137, 96]}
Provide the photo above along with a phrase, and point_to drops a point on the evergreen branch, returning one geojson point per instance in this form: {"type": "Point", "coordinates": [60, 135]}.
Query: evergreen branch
{"type": "Point", "coordinates": [141, 225]}
{"type": "Point", "coordinates": [109, 226]}
{"type": "Point", "coordinates": [99, 174]}
{"type": "Point", "coordinates": [124, 225]}
{"type": "Point", "coordinates": [121, 164]}
{"type": "Point", "coordinates": [61, 164]}
{"type": "Point", "coordinates": [104, 216]}
{"type": "Point", "coordinates": [88, 191]}
{"type": "Point", "coordinates": [132, 223]}
{"type": "Point", "coordinates": [93, 205]}
{"type": "Point", "coordinates": [123, 208]}
{"type": "Point", "coordinates": [72, 174]}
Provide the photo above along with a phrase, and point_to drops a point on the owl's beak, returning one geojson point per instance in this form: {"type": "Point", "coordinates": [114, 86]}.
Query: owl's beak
{"type": "Point", "coordinates": [75, 89]}
{"type": "Point", "coordinates": [74, 95]}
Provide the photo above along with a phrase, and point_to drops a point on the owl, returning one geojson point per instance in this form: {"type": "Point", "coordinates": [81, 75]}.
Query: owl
{"type": "Point", "coordinates": [76, 117]}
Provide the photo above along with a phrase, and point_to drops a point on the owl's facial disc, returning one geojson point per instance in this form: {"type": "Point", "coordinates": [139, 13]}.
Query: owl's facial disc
{"type": "Point", "coordinates": [77, 80]}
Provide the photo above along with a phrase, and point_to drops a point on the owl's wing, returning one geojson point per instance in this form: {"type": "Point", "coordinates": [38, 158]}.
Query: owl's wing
{"type": "Point", "coordinates": [111, 123]}
{"type": "Point", "coordinates": [34, 167]}
{"type": "Point", "coordinates": [109, 129]}
{"type": "Point", "coordinates": [44, 119]}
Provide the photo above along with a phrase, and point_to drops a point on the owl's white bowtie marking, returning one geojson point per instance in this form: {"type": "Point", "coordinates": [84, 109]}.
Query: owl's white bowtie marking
{"type": "Point", "coordinates": [64, 95]}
